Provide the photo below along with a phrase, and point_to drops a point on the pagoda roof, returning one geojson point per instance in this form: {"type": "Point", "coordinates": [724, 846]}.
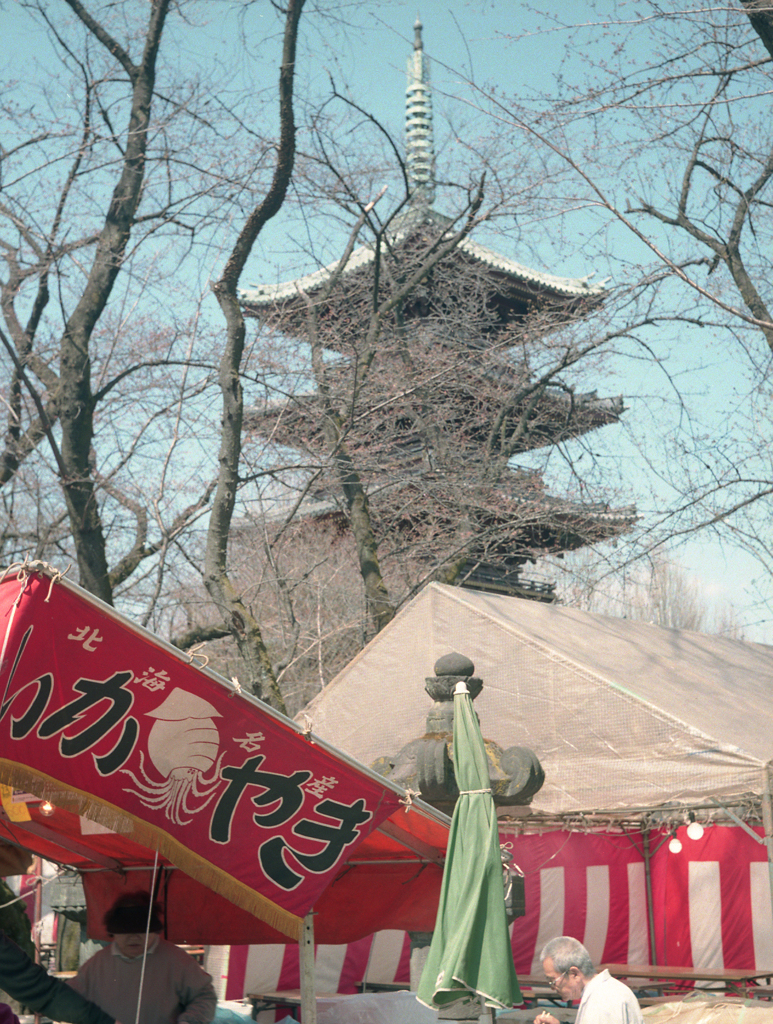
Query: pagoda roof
{"type": "Point", "coordinates": [513, 522]}
{"type": "Point", "coordinates": [515, 277]}
{"type": "Point", "coordinates": [558, 417]}
{"type": "Point", "coordinates": [513, 288]}
{"type": "Point", "coordinates": [525, 522]}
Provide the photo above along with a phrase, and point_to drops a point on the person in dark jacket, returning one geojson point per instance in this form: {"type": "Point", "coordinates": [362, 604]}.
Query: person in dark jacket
{"type": "Point", "coordinates": [34, 987]}
{"type": "Point", "coordinates": [7, 1016]}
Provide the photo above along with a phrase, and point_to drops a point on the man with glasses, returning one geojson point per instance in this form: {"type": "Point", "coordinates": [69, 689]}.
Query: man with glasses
{"type": "Point", "coordinates": [571, 974]}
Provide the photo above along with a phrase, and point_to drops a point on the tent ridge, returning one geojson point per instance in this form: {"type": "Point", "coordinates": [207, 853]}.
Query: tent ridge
{"type": "Point", "coordinates": [589, 675]}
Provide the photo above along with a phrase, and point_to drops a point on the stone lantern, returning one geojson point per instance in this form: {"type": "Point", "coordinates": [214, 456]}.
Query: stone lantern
{"type": "Point", "coordinates": [426, 766]}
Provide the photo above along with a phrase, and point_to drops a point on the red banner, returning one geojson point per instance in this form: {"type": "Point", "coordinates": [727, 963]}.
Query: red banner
{"type": "Point", "coordinates": [105, 719]}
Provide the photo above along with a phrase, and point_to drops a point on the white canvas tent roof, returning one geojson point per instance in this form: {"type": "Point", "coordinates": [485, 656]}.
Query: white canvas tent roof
{"type": "Point", "coordinates": [621, 714]}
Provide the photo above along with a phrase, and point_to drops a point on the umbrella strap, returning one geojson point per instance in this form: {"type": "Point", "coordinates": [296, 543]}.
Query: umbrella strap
{"type": "Point", "coordinates": [465, 792]}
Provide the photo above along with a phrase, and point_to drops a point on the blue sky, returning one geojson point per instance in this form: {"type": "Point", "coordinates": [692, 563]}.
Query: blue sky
{"type": "Point", "coordinates": [521, 53]}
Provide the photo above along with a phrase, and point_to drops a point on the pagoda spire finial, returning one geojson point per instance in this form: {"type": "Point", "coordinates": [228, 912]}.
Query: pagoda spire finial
{"type": "Point", "coordinates": [417, 27]}
{"type": "Point", "coordinates": [419, 141]}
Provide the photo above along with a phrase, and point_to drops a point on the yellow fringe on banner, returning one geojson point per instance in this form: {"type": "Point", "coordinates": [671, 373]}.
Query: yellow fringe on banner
{"type": "Point", "coordinates": [18, 776]}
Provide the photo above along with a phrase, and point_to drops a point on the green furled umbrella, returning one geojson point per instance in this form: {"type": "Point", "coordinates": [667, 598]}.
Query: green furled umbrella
{"type": "Point", "coordinates": [470, 954]}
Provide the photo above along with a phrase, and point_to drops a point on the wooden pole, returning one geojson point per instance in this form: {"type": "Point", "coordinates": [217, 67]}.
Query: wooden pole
{"type": "Point", "coordinates": [306, 958]}
{"type": "Point", "coordinates": [38, 912]}
{"type": "Point", "coordinates": [767, 821]}
{"type": "Point", "coordinates": [648, 889]}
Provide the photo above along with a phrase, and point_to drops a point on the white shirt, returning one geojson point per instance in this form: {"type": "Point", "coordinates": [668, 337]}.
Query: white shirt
{"type": "Point", "coordinates": [605, 1000]}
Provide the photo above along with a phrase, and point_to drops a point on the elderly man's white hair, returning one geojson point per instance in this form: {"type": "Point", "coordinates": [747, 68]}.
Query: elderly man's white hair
{"type": "Point", "coordinates": [566, 952]}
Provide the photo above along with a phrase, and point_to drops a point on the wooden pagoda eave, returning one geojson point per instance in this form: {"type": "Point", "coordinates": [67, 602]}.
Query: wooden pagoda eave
{"type": "Point", "coordinates": [550, 423]}
{"type": "Point", "coordinates": [509, 303]}
{"type": "Point", "coordinates": [514, 291]}
{"type": "Point", "coordinates": [524, 529]}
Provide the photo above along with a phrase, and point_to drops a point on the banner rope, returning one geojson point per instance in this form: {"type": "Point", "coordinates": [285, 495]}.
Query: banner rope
{"type": "Point", "coordinates": [23, 571]}
{"type": "Point", "coordinates": [147, 936]}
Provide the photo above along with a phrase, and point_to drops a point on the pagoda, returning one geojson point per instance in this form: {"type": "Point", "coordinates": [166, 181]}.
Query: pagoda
{"type": "Point", "coordinates": [457, 395]}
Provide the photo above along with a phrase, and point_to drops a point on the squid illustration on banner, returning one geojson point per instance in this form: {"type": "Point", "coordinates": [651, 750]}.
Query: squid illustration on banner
{"type": "Point", "coordinates": [109, 721]}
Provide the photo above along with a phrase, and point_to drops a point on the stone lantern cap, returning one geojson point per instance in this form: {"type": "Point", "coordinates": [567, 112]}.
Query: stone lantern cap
{"type": "Point", "coordinates": [450, 670]}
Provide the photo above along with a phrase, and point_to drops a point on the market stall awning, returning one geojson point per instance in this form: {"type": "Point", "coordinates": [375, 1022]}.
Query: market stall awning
{"type": "Point", "coordinates": [148, 758]}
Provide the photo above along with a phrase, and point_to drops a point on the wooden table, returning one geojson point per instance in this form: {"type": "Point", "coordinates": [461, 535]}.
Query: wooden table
{"type": "Point", "coordinates": [730, 981]}
{"type": "Point", "coordinates": [535, 987]}
{"type": "Point", "coordinates": [289, 999]}
{"type": "Point", "coordinates": [383, 986]}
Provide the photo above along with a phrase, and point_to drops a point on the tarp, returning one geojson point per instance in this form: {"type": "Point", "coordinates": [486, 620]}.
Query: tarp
{"type": "Point", "coordinates": [119, 730]}
{"type": "Point", "coordinates": [624, 716]}
{"type": "Point", "coordinates": [703, 1009]}
{"type": "Point", "coordinates": [621, 714]}
{"type": "Point", "coordinates": [383, 958]}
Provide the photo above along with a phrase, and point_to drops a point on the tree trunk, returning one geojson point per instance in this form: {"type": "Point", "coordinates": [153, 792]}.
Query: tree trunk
{"type": "Point", "coordinates": [244, 627]}
{"type": "Point", "coordinates": [75, 401]}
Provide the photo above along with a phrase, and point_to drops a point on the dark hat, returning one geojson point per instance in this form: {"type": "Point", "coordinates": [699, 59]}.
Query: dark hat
{"type": "Point", "coordinates": [129, 914]}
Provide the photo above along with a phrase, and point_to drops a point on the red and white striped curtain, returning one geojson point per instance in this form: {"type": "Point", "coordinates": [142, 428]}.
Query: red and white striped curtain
{"type": "Point", "coordinates": [711, 907]}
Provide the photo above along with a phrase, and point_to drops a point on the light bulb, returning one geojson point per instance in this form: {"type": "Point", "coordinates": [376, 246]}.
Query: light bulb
{"type": "Point", "coordinates": [695, 830]}
{"type": "Point", "coordinates": [675, 845]}
{"type": "Point", "coordinates": [46, 808]}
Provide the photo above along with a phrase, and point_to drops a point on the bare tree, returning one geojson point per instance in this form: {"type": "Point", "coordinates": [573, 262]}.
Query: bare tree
{"type": "Point", "coordinates": [654, 590]}
{"type": "Point", "coordinates": [107, 398]}
{"type": "Point", "coordinates": [125, 447]}
{"type": "Point", "coordinates": [71, 400]}
{"type": "Point", "coordinates": [658, 145]}
{"type": "Point", "coordinates": [244, 626]}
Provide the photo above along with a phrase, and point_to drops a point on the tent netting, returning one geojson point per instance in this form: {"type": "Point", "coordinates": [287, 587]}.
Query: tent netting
{"type": "Point", "coordinates": [621, 714]}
